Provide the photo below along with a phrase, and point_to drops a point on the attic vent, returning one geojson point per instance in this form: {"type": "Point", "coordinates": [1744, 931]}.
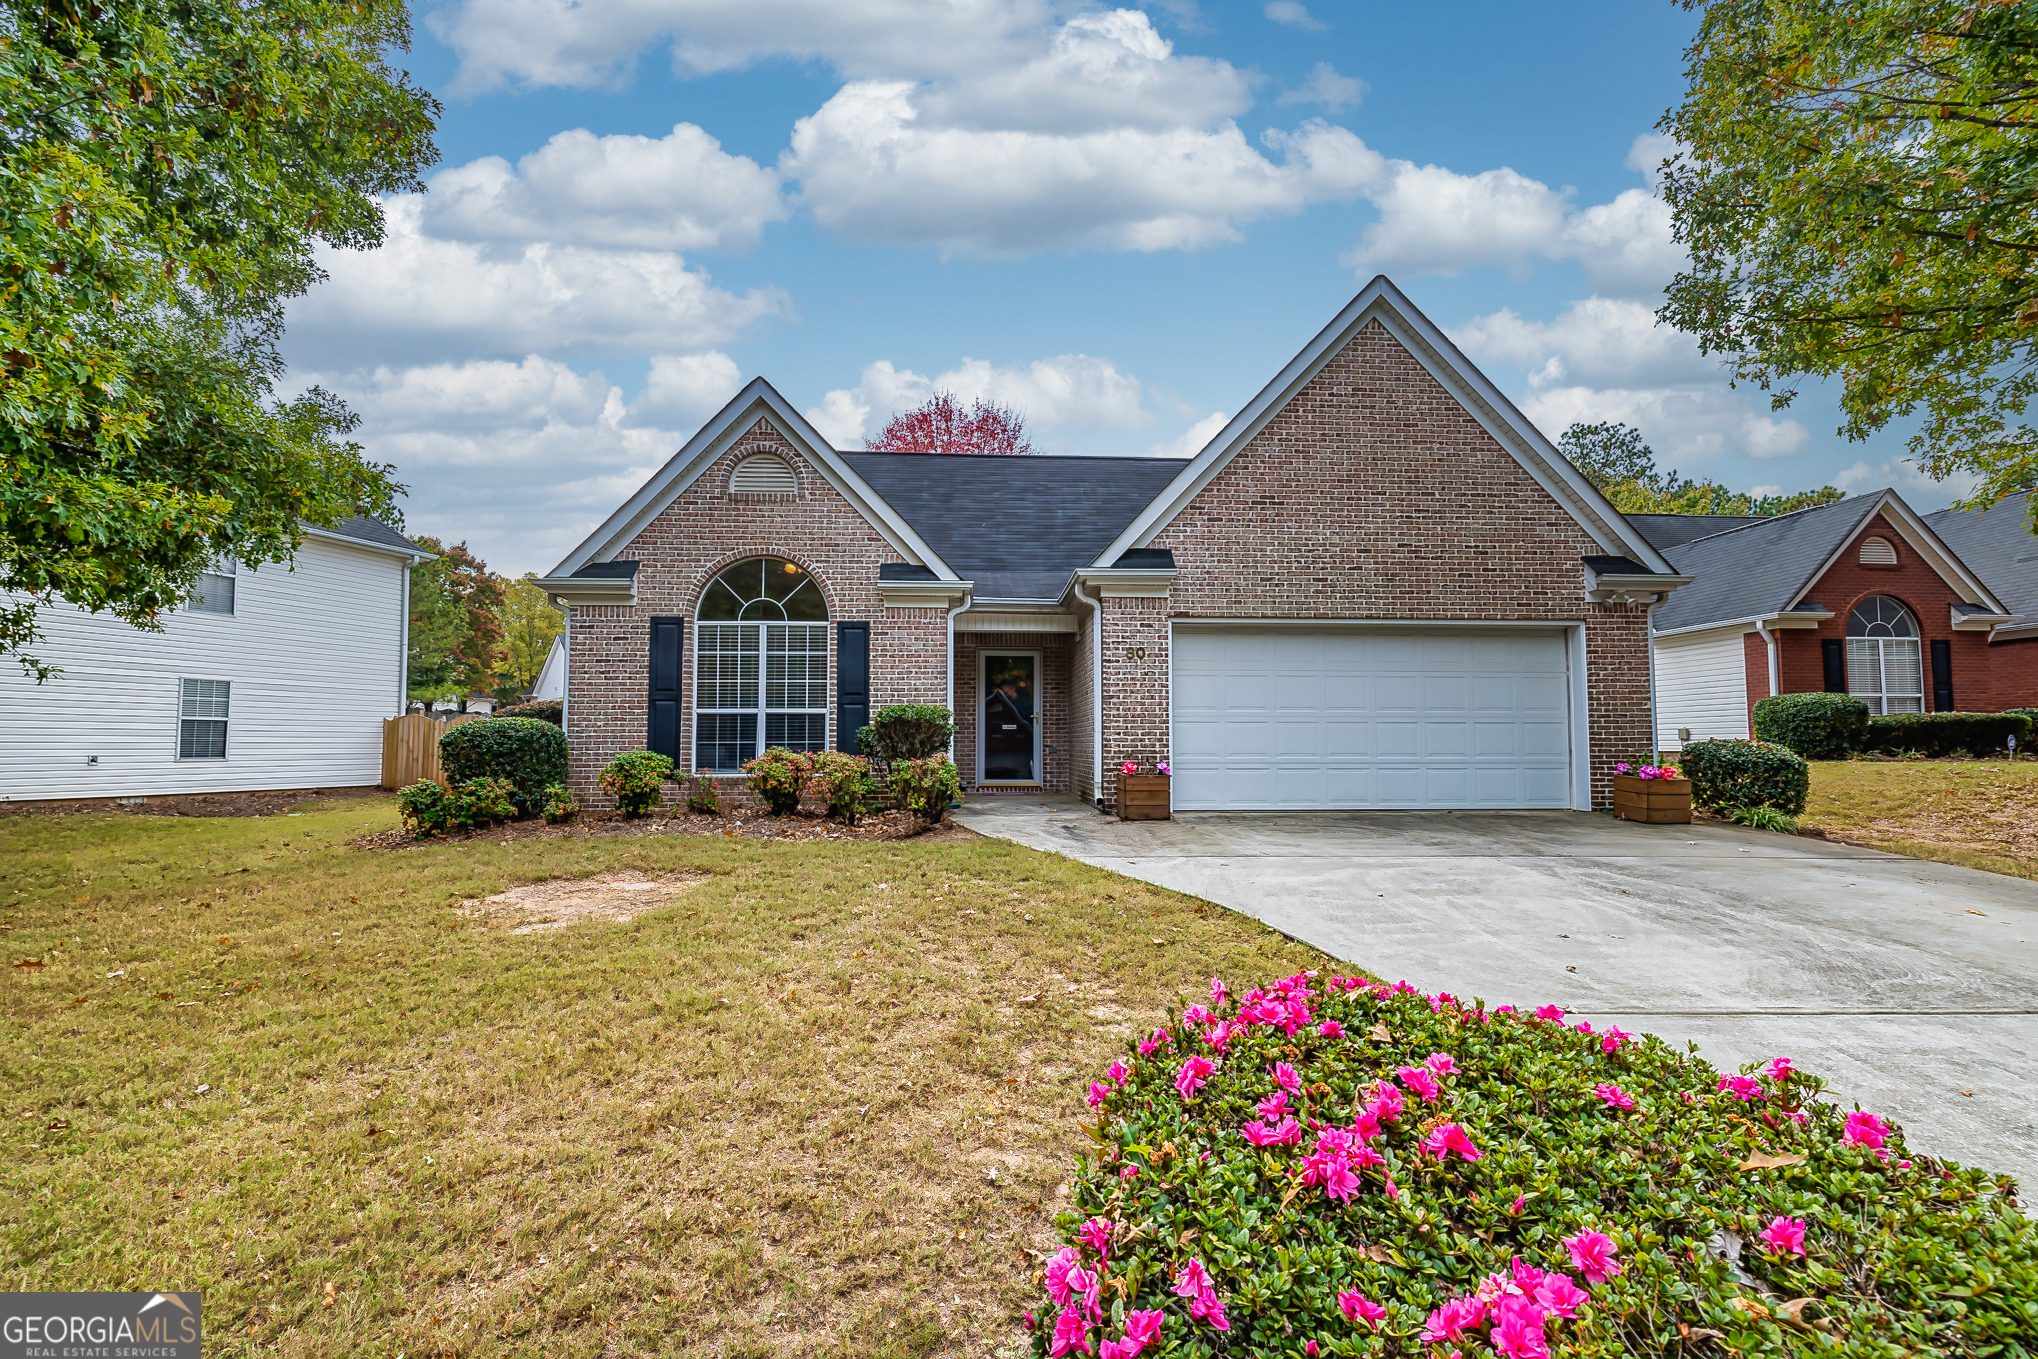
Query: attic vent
{"type": "Point", "coordinates": [763, 474]}
{"type": "Point", "coordinates": [1877, 552]}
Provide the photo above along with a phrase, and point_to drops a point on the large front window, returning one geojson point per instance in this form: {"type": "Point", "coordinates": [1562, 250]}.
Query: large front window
{"type": "Point", "coordinates": [760, 664]}
{"type": "Point", "coordinates": [1884, 667]}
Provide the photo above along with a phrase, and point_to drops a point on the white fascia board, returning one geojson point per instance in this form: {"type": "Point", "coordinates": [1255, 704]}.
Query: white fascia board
{"type": "Point", "coordinates": [1982, 622]}
{"type": "Point", "coordinates": [1702, 633]}
{"type": "Point", "coordinates": [721, 433]}
{"type": "Point", "coordinates": [414, 555]}
{"type": "Point", "coordinates": [1128, 582]}
{"type": "Point", "coordinates": [2014, 632]}
{"type": "Point", "coordinates": [1730, 625]}
{"type": "Point", "coordinates": [1380, 300]}
{"type": "Point", "coordinates": [574, 591]}
{"type": "Point", "coordinates": [982, 620]}
{"type": "Point", "coordinates": [923, 594]}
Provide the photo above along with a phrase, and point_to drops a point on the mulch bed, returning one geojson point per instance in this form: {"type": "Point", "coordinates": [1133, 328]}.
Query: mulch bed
{"type": "Point", "coordinates": [275, 802]}
{"type": "Point", "coordinates": [741, 822]}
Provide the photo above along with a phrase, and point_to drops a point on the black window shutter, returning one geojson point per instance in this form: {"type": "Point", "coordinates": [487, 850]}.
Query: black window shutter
{"type": "Point", "coordinates": [1835, 652]}
{"type": "Point", "coordinates": [1942, 676]}
{"type": "Point", "coordinates": [852, 684]}
{"type": "Point", "coordinates": [668, 645]}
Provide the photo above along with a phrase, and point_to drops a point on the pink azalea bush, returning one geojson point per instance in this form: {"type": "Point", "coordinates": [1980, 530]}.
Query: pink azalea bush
{"type": "Point", "coordinates": [1273, 1176]}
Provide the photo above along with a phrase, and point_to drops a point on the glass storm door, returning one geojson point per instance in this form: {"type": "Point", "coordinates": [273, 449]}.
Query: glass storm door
{"type": "Point", "coordinates": [1009, 729]}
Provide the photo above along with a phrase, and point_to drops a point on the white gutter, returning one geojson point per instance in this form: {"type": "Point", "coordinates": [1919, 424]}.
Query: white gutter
{"type": "Point", "coordinates": [960, 606]}
{"type": "Point", "coordinates": [1096, 690]}
{"type": "Point", "coordinates": [1769, 640]}
{"type": "Point", "coordinates": [403, 654]}
{"type": "Point", "coordinates": [566, 674]}
{"type": "Point", "coordinates": [1655, 715]}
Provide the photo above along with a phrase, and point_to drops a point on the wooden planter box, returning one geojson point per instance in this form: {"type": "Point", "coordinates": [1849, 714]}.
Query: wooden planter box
{"type": "Point", "coordinates": [1144, 797]}
{"type": "Point", "coordinates": [1659, 802]}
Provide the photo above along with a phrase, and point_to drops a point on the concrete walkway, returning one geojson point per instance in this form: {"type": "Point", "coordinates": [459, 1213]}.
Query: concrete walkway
{"type": "Point", "coordinates": [1904, 984]}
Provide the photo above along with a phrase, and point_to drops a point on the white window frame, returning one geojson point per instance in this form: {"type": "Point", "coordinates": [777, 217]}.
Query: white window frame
{"type": "Point", "coordinates": [214, 586]}
{"type": "Point", "coordinates": [1873, 658]}
{"type": "Point", "coordinates": [762, 641]}
{"type": "Point", "coordinates": [983, 696]}
{"type": "Point", "coordinates": [198, 705]}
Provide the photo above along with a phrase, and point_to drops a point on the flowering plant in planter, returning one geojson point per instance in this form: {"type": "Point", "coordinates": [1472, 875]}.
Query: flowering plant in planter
{"type": "Point", "coordinates": [1160, 767]}
{"type": "Point", "coordinates": [1649, 771]}
{"type": "Point", "coordinates": [1332, 1166]}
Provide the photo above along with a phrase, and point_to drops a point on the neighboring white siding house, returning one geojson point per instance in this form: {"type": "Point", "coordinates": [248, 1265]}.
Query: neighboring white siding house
{"type": "Point", "coordinates": [552, 678]}
{"type": "Point", "coordinates": [288, 690]}
{"type": "Point", "coordinates": [1701, 685]}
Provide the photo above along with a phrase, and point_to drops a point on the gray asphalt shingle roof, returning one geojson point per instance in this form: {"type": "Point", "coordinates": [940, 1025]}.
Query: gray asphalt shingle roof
{"type": "Point", "coordinates": [1016, 525]}
{"type": "Point", "coordinates": [1665, 531]}
{"type": "Point", "coordinates": [362, 529]}
{"type": "Point", "coordinates": [1761, 567]}
{"type": "Point", "coordinates": [1997, 547]}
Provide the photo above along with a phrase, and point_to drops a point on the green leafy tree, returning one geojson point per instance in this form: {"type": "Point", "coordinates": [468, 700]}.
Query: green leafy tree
{"type": "Point", "coordinates": [456, 628]}
{"type": "Point", "coordinates": [1856, 188]}
{"type": "Point", "coordinates": [1615, 459]}
{"type": "Point", "coordinates": [529, 625]}
{"type": "Point", "coordinates": [167, 172]}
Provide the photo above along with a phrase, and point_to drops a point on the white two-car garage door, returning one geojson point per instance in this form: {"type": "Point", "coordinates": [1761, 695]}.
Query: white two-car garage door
{"type": "Point", "coordinates": [1297, 718]}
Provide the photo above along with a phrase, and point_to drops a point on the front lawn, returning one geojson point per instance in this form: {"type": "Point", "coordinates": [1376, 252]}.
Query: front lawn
{"type": "Point", "coordinates": [822, 1100]}
{"type": "Point", "coordinates": [1978, 814]}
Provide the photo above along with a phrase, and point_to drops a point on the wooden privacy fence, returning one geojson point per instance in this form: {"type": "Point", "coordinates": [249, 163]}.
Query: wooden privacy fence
{"type": "Point", "coordinates": [410, 747]}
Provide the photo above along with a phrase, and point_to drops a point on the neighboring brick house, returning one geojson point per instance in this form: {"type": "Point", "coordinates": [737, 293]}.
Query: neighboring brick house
{"type": "Point", "coordinates": [1860, 596]}
{"type": "Point", "coordinates": [1378, 586]}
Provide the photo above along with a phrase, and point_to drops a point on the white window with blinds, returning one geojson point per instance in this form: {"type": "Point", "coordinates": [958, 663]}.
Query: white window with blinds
{"type": "Point", "coordinates": [760, 664]}
{"type": "Point", "coordinates": [202, 709]}
{"type": "Point", "coordinates": [215, 592]}
{"type": "Point", "coordinates": [1885, 664]}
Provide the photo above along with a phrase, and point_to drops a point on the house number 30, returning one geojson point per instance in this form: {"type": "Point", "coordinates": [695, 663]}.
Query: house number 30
{"type": "Point", "coordinates": [1135, 653]}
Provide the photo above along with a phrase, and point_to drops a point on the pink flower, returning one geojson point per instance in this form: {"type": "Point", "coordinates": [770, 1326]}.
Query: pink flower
{"type": "Point", "coordinates": [1162, 767]}
{"type": "Point", "coordinates": [1865, 1130]}
{"type": "Point", "coordinates": [1118, 1072]}
{"type": "Point", "coordinates": [1071, 1332]}
{"type": "Point", "coordinates": [1129, 1172]}
{"type": "Point", "coordinates": [1285, 1077]}
{"type": "Point", "coordinates": [1449, 1322]}
{"type": "Point", "coordinates": [1216, 992]}
{"type": "Point", "coordinates": [1555, 1012]}
{"type": "Point", "coordinates": [1148, 1046]}
{"type": "Point", "coordinates": [1096, 1234]}
{"type": "Point", "coordinates": [1208, 1307]}
{"type": "Point", "coordinates": [1419, 1080]}
{"type": "Point", "coordinates": [1518, 1330]}
{"type": "Point", "coordinates": [1520, 1202]}
{"type": "Point", "coordinates": [1192, 1280]}
{"type": "Point", "coordinates": [1386, 1103]}
{"type": "Point", "coordinates": [1129, 767]}
{"type": "Point", "coordinates": [1144, 1327]}
{"type": "Point", "coordinates": [1441, 1063]}
{"type": "Point", "coordinates": [1089, 1284]}
{"type": "Point", "coordinates": [1031, 1324]}
{"type": "Point", "coordinates": [1098, 1092]}
{"type": "Point", "coordinates": [1558, 1296]}
{"type": "Point", "coordinates": [1310, 1348]}
{"type": "Point", "coordinates": [1611, 1040]}
{"type": "Point", "coordinates": [1273, 1106]}
{"type": "Point", "coordinates": [1263, 1135]}
{"type": "Point", "coordinates": [1785, 1236]}
{"type": "Point", "coordinates": [1058, 1286]}
{"type": "Point", "coordinates": [1194, 1014]}
{"type": "Point", "coordinates": [1614, 1096]}
{"type": "Point", "coordinates": [1358, 1307]}
{"type": "Point", "coordinates": [1592, 1255]}
{"type": "Point", "coordinates": [1742, 1087]}
{"type": "Point", "coordinates": [1330, 1028]}
{"type": "Point", "coordinates": [1584, 1026]}
{"type": "Point", "coordinates": [1449, 1138]}
{"type": "Point", "coordinates": [1779, 1067]}
{"type": "Point", "coordinates": [1193, 1074]}
{"type": "Point", "coordinates": [1221, 1033]}
{"type": "Point", "coordinates": [1526, 1276]}
{"type": "Point", "coordinates": [1119, 1349]}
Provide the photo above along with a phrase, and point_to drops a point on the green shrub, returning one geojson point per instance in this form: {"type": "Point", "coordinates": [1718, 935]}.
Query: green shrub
{"type": "Point", "coordinates": [1514, 1147]}
{"type": "Point", "coordinates": [636, 780]}
{"type": "Point", "coordinates": [907, 731]}
{"type": "Point", "coordinates": [777, 777]}
{"type": "Point", "coordinates": [423, 808]}
{"type": "Point", "coordinates": [529, 753]}
{"type": "Point", "coordinates": [1816, 726]}
{"type": "Point", "coordinates": [1729, 774]}
{"type": "Point", "coordinates": [481, 802]}
{"type": "Point", "coordinates": [551, 710]}
{"type": "Point", "coordinates": [927, 785]}
{"type": "Point", "coordinates": [701, 797]}
{"type": "Point", "coordinates": [1766, 818]}
{"type": "Point", "coordinates": [559, 805]}
{"type": "Point", "coordinates": [1935, 734]}
{"type": "Point", "coordinates": [842, 781]}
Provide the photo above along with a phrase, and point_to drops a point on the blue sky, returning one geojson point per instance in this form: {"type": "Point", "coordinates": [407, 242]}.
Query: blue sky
{"type": "Point", "coordinates": [1121, 221]}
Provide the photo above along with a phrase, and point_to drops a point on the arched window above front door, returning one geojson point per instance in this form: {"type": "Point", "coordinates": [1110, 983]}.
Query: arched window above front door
{"type": "Point", "coordinates": [760, 664]}
{"type": "Point", "coordinates": [1885, 665]}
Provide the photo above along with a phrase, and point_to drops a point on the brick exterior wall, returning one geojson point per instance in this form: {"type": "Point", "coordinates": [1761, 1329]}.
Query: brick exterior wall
{"type": "Point", "coordinates": [703, 531]}
{"type": "Point", "coordinates": [1985, 678]}
{"type": "Point", "coordinates": [1374, 494]}
{"type": "Point", "coordinates": [1053, 704]}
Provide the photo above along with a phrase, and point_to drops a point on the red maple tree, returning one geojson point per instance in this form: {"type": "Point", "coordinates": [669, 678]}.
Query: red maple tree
{"type": "Point", "coordinates": [941, 425]}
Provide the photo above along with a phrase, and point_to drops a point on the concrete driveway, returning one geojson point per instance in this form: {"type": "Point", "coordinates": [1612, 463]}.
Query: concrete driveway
{"type": "Point", "coordinates": [1905, 984]}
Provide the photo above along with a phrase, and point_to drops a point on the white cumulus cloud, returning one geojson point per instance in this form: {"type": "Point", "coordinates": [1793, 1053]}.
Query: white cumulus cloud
{"type": "Point", "coordinates": [1334, 92]}
{"type": "Point", "coordinates": [682, 390]}
{"type": "Point", "coordinates": [1909, 481]}
{"type": "Point", "coordinates": [1292, 13]}
{"type": "Point", "coordinates": [1193, 438]}
{"type": "Point", "coordinates": [1066, 392]}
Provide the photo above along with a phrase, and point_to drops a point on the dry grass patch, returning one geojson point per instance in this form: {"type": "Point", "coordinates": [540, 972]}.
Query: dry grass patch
{"type": "Point", "coordinates": [817, 1099]}
{"type": "Point", "coordinates": [1977, 814]}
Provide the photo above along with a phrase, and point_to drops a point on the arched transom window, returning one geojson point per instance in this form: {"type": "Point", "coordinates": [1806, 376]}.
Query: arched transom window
{"type": "Point", "coordinates": [1884, 666]}
{"type": "Point", "coordinates": [760, 664]}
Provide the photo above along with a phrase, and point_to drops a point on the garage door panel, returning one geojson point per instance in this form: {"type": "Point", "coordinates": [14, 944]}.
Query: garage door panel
{"type": "Point", "coordinates": [1287, 719]}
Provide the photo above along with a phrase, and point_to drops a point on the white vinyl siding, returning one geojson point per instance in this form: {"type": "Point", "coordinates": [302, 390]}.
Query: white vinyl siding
{"type": "Point", "coordinates": [1298, 719]}
{"type": "Point", "coordinates": [309, 662]}
{"type": "Point", "coordinates": [1701, 684]}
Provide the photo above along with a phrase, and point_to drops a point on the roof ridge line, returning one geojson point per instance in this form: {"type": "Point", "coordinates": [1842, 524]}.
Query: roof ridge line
{"type": "Point", "coordinates": [1761, 520]}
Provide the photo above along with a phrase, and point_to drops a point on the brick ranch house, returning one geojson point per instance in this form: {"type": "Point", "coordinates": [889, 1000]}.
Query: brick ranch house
{"type": "Point", "coordinates": [1909, 612]}
{"type": "Point", "coordinates": [1378, 586]}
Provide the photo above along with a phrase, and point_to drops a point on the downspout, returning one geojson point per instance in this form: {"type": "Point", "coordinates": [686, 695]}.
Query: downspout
{"type": "Point", "coordinates": [1655, 714]}
{"type": "Point", "coordinates": [1096, 692]}
{"type": "Point", "coordinates": [966, 596]}
{"type": "Point", "coordinates": [1769, 640]}
{"type": "Point", "coordinates": [403, 655]}
{"type": "Point", "coordinates": [566, 674]}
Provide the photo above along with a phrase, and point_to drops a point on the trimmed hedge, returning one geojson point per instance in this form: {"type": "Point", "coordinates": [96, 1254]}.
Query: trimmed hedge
{"type": "Point", "coordinates": [551, 710]}
{"type": "Point", "coordinates": [529, 753]}
{"type": "Point", "coordinates": [1334, 1167]}
{"type": "Point", "coordinates": [636, 780]}
{"type": "Point", "coordinates": [1729, 774]}
{"type": "Point", "coordinates": [1945, 733]}
{"type": "Point", "coordinates": [907, 731]}
{"type": "Point", "coordinates": [1816, 726]}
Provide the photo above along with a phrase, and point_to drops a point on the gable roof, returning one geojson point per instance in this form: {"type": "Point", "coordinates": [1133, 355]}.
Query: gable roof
{"type": "Point", "coordinates": [1665, 531]}
{"type": "Point", "coordinates": [1381, 301]}
{"type": "Point", "coordinates": [1762, 568]}
{"type": "Point", "coordinates": [758, 400]}
{"type": "Point", "coordinates": [1017, 526]}
{"type": "Point", "coordinates": [1996, 543]}
{"type": "Point", "coordinates": [365, 532]}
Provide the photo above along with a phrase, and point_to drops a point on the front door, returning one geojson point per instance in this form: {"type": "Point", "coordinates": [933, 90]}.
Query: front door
{"type": "Point", "coordinates": [1008, 731]}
